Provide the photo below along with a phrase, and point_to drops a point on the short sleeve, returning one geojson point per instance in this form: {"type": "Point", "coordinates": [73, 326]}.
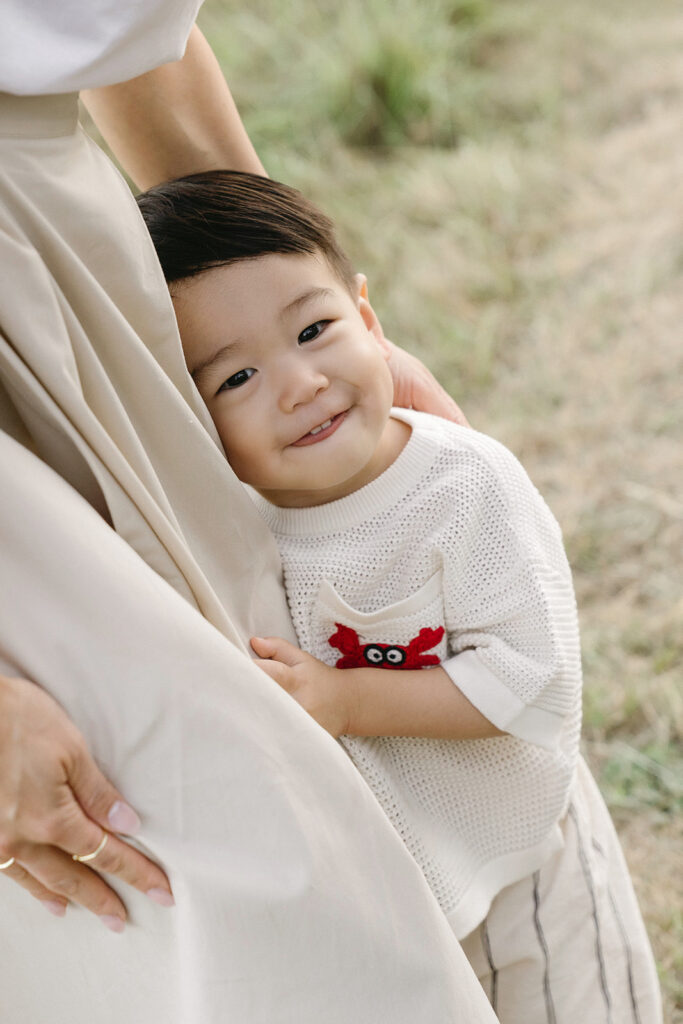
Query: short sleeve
{"type": "Point", "coordinates": [511, 617]}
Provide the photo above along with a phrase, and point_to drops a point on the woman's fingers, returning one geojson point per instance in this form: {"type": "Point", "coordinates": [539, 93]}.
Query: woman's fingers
{"type": "Point", "coordinates": [78, 836]}
{"type": "Point", "coordinates": [416, 388]}
{"type": "Point", "coordinates": [51, 901]}
{"type": "Point", "coordinates": [54, 803]}
{"type": "Point", "coordinates": [131, 866]}
{"type": "Point", "coordinates": [64, 880]}
{"type": "Point", "coordinates": [82, 882]}
{"type": "Point", "coordinates": [52, 876]}
{"type": "Point", "coordinates": [99, 799]}
{"type": "Point", "coordinates": [99, 806]}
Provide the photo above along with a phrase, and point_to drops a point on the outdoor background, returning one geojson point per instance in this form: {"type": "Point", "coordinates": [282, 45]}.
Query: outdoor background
{"type": "Point", "coordinates": [509, 175]}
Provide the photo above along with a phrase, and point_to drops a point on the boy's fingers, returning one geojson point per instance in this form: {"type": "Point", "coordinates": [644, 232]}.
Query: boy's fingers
{"type": "Point", "coordinates": [277, 648]}
{"type": "Point", "coordinates": [262, 646]}
{"type": "Point", "coordinates": [278, 672]}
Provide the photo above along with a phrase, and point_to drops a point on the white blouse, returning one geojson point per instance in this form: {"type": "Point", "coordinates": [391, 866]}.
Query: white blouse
{"type": "Point", "coordinates": [57, 46]}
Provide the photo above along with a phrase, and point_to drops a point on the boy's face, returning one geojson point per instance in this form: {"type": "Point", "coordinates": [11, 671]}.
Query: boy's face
{"type": "Point", "coordinates": [293, 371]}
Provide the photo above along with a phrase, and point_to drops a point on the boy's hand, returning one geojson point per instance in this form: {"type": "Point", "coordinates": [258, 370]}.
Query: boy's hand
{"type": "Point", "coordinates": [325, 692]}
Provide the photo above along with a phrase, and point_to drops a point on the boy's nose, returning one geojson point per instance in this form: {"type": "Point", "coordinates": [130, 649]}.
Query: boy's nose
{"type": "Point", "coordinates": [299, 385]}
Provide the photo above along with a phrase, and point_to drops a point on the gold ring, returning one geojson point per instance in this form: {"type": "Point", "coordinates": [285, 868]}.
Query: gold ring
{"type": "Point", "coordinates": [7, 864]}
{"type": "Point", "coordinates": [91, 856]}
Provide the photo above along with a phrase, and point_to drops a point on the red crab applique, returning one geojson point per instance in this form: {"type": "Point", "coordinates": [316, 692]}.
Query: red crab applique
{"type": "Point", "coordinates": [358, 655]}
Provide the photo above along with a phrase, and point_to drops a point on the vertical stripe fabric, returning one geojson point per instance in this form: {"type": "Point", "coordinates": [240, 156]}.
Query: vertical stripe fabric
{"type": "Point", "coordinates": [568, 944]}
{"type": "Point", "coordinates": [585, 867]}
{"type": "Point", "coordinates": [550, 1008]}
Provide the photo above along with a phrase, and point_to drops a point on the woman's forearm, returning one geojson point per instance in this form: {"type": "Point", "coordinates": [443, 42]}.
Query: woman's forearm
{"type": "Point", "coordinates": [178, 119]}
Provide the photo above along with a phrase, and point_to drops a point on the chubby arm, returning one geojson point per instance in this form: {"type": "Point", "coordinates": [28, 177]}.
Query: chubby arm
{"type": "Point", "coordinates": [178, 119]}
{"type": "Point", "coordinates": [373, 701]}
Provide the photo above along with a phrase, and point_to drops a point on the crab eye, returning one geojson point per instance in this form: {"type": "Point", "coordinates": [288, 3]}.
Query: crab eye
{"type": "Point", "coordinates": [395, 656]}
{"type": "Point", "coordinates": [373, 654]}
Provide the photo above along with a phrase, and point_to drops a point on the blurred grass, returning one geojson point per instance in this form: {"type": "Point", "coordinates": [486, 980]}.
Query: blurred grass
{"type": "Point", "coordinates": [508, 174]}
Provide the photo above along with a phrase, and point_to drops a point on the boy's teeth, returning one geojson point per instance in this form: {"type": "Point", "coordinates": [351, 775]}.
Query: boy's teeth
{"type": "Point", "coordinates": [323, 426]}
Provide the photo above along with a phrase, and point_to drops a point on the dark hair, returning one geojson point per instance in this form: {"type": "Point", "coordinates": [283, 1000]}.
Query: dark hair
{"type": "Point", "coordinates": [219, 217]}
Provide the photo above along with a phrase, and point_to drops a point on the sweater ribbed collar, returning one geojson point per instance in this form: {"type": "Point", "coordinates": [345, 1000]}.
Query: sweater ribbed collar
{"type": "Point", "coordinates": [385, 490]}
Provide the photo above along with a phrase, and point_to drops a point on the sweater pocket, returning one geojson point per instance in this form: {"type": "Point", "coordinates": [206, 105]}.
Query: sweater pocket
{"type": "Point", "coordinates": [406, 635]}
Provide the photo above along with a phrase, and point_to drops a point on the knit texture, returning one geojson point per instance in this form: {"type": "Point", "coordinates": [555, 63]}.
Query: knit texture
{"type": "Point", "coordinates": [453, 535]}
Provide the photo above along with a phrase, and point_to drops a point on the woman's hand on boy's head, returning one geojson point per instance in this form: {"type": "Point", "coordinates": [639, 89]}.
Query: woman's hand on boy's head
{"type": "Point", "coordinates": [416, 388]}
{"type": "Point", "coordinates": [324, 692]}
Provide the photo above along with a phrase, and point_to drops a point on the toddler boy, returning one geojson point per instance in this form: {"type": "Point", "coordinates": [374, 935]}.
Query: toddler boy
{"type": "Point", "coordinates": [431, 598]}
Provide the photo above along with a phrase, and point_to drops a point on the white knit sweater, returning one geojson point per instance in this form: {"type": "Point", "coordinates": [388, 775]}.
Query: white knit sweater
{"type": "Point", "coordinates": [452, 535]}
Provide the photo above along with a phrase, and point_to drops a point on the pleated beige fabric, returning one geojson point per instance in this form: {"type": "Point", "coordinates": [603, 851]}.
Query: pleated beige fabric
{"type": "Point", "coordinates": [296, 901]}
{"type": "Point", "coordinates": [121, 420]}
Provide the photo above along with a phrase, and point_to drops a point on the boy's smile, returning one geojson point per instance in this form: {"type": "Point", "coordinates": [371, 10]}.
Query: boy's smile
{"type": "Point", "coordinates": [293, 370]}
{"type": "Point", "coordinates": [323, 431]}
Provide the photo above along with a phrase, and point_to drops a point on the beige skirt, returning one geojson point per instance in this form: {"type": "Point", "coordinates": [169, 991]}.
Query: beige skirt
{"type": "Point", "coordinates": [296, 902]}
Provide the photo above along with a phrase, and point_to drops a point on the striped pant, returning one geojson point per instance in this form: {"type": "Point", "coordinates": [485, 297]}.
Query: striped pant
{"type": "Point", "coordinates": [567, 945]}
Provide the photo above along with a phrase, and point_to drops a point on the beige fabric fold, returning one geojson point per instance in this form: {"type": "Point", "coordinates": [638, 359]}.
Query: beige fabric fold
{"type": "Point", "coordinates": [296, 901]}
{"type": "Point", "coordinates": [119, 418]}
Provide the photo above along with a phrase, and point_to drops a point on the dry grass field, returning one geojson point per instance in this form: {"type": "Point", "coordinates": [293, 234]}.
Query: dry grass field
{"type": "Point", "coordinates": [509, 174]}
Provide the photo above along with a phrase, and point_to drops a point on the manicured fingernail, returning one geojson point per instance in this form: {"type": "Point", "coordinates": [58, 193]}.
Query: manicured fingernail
{"type": "Point", "coordinates": [115, 924]}
{"type": "Point", "coordinates": [162, 896]}
{"type": "Point", "coordinates": [123, 818]}
{"type": "Point", "coordinates": [55, 907]}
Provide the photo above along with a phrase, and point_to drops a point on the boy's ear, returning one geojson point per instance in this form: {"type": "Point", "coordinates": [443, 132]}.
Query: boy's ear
{"type": "Point", "coordinates": [370, 318]}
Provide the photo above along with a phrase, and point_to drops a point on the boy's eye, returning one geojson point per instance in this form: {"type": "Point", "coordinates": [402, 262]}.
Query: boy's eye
{"type": "Point", "coordinates": [313, 331]}
{"type": "Point", "coordinates": [237, 379]}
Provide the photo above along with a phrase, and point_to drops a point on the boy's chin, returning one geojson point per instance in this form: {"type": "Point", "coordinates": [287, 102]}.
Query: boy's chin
{"type": "Point", "coordinates": [318, 491]}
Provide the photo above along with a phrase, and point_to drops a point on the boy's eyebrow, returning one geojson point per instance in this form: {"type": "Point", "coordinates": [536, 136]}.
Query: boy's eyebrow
{"type": "Point", "coordinates": [297, 303]}
{"type": "Point", "coordinates": [201, 368]}
{"type": "Point", "coordinates": [305, 297]}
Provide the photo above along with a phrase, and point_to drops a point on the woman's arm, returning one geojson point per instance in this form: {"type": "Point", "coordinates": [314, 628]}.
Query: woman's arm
{"type": "Point", "coordinates": [178, 119]}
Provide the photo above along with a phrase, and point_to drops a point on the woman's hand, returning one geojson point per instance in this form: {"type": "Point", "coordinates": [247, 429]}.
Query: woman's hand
{"type": "Point", "coordinates": [416, 388]}
{"type": "Point", "coordinates": [325, 692]}
{"type": "Point", "coordinates": [54, 804]}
